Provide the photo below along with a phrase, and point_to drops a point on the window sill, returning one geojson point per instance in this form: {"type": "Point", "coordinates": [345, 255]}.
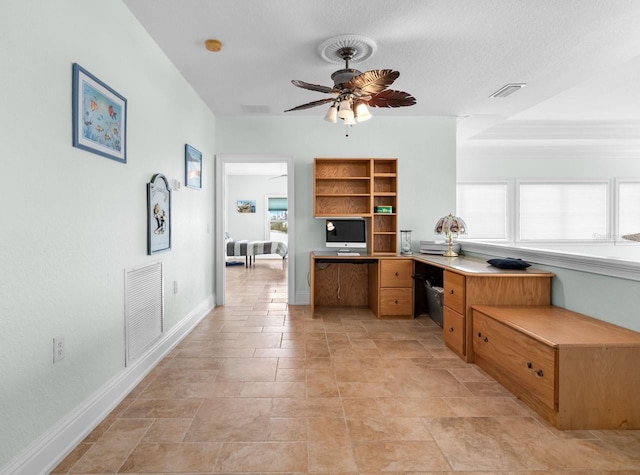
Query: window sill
{"type": "Point", "coordinates": [603, 265]}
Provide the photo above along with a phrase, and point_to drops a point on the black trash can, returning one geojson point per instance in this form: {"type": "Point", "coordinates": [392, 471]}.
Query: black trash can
{"type": "Point", "coordinates": [435, 300]}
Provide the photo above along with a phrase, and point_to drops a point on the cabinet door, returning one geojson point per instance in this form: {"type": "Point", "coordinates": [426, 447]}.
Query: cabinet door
{"type": "Point", "coordinates": [396, 302]}
{"type": "Point", "coordinates": [454, 291]}
{"type": "Point", "coordinates": [453, 326]}
{"type": "Point", "coordinates": [396, 273]}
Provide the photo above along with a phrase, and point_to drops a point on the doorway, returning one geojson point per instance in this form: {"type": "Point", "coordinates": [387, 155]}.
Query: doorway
{"type": "Point", "coordinates": [276, 167]}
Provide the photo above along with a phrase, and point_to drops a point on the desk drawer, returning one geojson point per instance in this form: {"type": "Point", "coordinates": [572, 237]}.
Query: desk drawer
{"type": "Point", "coordinates": [396, 273]}
{"type": "Point", "coordinates": [528, 363]}
{"type": "Point", "coordinates": [453, 326]}
{"type": "Point", "coordinates": [454, 291]}
{"type": "Point", "coordinates": [396, 302]}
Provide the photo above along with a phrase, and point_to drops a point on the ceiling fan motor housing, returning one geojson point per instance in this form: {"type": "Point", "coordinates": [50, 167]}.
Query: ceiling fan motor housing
{"type": "Point", "coordinates": [343, 76]}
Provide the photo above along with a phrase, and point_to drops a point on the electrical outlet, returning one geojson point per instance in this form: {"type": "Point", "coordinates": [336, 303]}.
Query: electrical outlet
{"type": "Point", "coordinates": [58, 348]}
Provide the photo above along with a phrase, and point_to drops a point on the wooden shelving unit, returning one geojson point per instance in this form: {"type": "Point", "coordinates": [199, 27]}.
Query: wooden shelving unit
{"type": "Point", "coordinates": [354, 187]}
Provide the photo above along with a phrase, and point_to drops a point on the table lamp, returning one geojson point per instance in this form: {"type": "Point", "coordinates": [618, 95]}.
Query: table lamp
{"type": "Point", "coordinates": [450, 225]}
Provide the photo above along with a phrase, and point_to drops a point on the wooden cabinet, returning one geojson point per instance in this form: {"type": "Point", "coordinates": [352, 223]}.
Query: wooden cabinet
{"type": "Point", "coordinates": [453, 318]}
{"type": "Point", "coordinates": [468, 281]}
{"type": "Point", "coordinates": [530, 363]}
{"type": "Point", "coordinates": [576, 371]}
{"type": "Point", "coordinates": [357, 187]}
{"type": "Point", "coordinates": [396, 288]}
{"type": "Point", "coordinates": [453, 326]}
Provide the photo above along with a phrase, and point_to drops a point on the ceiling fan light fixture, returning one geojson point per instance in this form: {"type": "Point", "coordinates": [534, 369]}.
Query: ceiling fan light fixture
{"type": "Point", "coordinates": [361, 112]}
{"type": "Point", "coordinates": [349, 118]}
{"type": "Point", "coordinates": [332, 114]}
{"type": "Point", "coordinates": [345, 109]}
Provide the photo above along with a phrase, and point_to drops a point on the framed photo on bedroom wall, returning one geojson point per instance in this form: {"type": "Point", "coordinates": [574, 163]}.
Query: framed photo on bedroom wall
{"type": "Point", "coordinates": [246, 206]}
{"type": "Point", "coordinates": [192, 167]}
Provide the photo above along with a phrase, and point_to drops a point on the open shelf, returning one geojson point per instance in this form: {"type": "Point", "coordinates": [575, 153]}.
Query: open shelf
{"type": "Point", "coordinates": [354, 187]}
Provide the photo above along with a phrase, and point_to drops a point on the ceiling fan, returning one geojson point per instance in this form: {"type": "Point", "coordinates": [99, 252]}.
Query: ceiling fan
{"type": "Point", "coordinates": [353, 91]}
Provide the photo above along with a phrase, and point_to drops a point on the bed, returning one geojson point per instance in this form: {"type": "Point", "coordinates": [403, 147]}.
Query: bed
{"type": "Point", "coordinates": [250, 249]}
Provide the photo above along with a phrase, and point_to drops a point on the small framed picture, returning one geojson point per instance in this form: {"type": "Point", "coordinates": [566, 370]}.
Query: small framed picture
{"type": "Point", "coordinates": [192, 167]}
{"type": "Point", "coordinates": [246, 206]}
{"type": "Point", "coordinates": [158, 214]}
{"type": "Point", "coordinates": [99, 116]}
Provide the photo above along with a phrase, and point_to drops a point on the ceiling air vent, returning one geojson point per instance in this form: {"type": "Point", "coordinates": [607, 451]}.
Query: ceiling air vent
{"type": "Point", "coordinates": [250, 109]}
{"type": "Point", "coordinates": [508, 89]}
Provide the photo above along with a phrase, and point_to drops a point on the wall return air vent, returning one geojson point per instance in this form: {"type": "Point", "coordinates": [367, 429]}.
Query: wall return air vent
{"type": "Point", "coordinates": [508, 89]}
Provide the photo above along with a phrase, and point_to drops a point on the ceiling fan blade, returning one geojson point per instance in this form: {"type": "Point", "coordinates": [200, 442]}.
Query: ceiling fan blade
{"type": "Point", "coordinates": [371, 82]}
{"type": "Point", "coordinates": [314, 87]}
{"type": "Point", "coordinates": [309, 105]}
{"type": "Point", "coordinates": [391, 98]}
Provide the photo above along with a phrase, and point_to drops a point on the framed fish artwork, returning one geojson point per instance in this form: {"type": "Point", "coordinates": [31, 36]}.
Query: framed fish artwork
{"type": "Point", "coordinates": [99, 116]}
{"type": "Point", "coordinates": [192, 167]}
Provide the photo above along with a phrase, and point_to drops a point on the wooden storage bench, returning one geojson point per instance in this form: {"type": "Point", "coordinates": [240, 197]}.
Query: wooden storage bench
{"type": "Point", "coordinates": [574, 370]}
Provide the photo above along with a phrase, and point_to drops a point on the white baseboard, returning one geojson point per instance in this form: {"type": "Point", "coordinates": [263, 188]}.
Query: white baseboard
{"type": "Point", "coordinates": [46, 452]}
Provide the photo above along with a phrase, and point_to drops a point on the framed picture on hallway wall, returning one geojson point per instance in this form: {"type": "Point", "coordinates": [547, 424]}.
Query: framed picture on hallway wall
{"type": "Point", "coordinates": [99, 116]}
{"type": "Point", "coordinates": [192, 167]}
{"type": "Point", "coordinates": [158, 214]}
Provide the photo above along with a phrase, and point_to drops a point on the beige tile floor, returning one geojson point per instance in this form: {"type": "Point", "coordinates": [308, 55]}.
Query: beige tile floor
{"type": "Point", "coordinates": [261, 387]}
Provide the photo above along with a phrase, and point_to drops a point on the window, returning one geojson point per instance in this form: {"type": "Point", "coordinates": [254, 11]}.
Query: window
{"type": "Point", "coordinates": [563, 210]}
{"type": "Point", "coordinates": [550, 210]}
{"type": "Point", "coordinates": [628, 208]}
{"type": "Point", "coordinates": [277, 226]}
{"type": "Point", "coordinates": [483, 206]}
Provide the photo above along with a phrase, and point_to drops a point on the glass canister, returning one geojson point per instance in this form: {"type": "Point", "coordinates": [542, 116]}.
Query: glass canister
{"type": "Point", "coordinates": [405, 242]}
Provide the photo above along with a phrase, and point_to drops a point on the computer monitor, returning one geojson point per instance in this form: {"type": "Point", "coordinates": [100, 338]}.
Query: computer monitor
{"type": "Point", "coordinates": [346, 233]}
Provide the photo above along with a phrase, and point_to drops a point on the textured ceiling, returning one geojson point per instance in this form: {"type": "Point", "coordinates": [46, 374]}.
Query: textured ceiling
{"type": "Point", "coordinates": [580, 58]}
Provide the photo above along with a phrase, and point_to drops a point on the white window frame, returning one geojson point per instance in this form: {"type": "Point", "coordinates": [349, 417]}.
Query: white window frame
{"type": "Point", "coordinates": [510, 208]}
{"type": "Point", "coordinates": [617, 234]}
{"type": "Point", "coordinates": [542, 181]}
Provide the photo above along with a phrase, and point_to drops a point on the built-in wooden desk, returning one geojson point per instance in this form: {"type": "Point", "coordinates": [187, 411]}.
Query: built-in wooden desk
{"type": "Point", "coordinates": [382, 282]}
{"type": "Point", "coordinates": [468, 281]}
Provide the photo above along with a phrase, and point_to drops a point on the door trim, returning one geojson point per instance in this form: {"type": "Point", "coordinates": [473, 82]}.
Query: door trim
{"type": "Point", "coordinates": [220, 214]}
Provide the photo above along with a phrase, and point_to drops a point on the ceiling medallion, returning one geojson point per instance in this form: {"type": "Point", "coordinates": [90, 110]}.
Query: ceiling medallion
{"type": "Point", "coordinates": [363, 48]}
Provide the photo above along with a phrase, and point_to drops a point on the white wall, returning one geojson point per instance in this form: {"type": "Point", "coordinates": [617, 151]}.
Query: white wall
{"type": "Point", "coordinates": [425, 148]}
{"type": "Point", "coordinates": [251, 226]}
{"type": "Point", "coordinates": [73, 221]}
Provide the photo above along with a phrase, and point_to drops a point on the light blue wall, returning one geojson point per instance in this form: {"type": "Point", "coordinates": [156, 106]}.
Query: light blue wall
{"type": "Point", "coordinates": [424, 147]}
{"type": "Point", "coordinates": [73, 221]}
